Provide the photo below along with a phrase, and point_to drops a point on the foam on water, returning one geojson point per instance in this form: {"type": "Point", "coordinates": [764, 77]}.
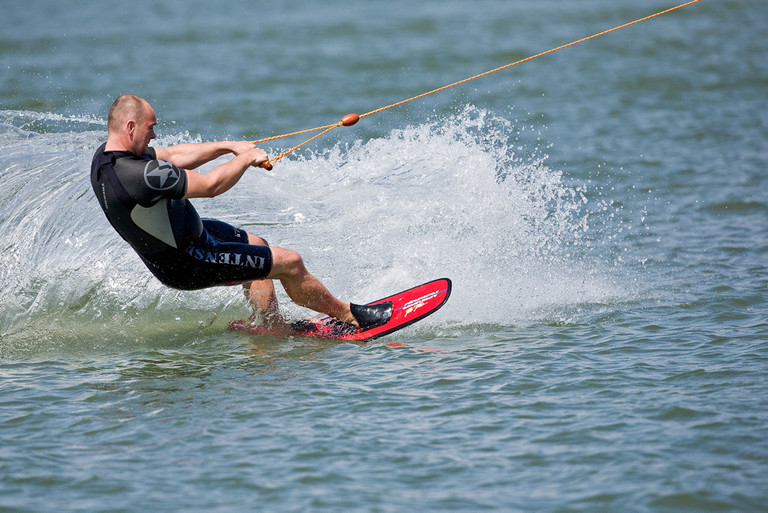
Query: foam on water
{"type": "Point", "coordinates": [451, 197]}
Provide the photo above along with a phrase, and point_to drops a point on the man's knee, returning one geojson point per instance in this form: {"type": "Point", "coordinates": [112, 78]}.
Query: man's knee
{"type": "Point", "coordinates": [294, 261]}
{"type": "Point", "coordinates": [286, 262]}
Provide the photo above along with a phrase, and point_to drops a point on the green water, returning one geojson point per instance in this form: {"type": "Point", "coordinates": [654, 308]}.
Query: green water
{"type": "Point", "coordinates": [600, 210]}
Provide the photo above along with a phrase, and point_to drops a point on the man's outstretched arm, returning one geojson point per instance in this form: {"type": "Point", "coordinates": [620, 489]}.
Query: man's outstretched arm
{"type": "Point", "coordinates": [194, 155]}
{"type": "Point", "coordinates": [222, 178]}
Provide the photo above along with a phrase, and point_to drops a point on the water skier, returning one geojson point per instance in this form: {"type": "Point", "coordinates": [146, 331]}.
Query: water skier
{"type": "Point", "coordinates": [145, 193]}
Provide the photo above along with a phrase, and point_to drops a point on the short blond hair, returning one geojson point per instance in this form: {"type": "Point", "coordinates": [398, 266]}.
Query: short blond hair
{"type": "Point", "coordinates": [127, 106]}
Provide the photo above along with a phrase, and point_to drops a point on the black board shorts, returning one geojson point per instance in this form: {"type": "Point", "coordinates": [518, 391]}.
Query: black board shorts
{"type": "Point", "coordinates": [220, 256]}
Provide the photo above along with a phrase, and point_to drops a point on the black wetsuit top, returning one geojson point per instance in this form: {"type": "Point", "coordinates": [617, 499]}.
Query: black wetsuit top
{"type": "Point", "coordinates": [143, 199]}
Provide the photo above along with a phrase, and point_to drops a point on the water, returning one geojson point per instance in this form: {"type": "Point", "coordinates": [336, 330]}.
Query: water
{"type": "Point", "coordinates": [601, 212]}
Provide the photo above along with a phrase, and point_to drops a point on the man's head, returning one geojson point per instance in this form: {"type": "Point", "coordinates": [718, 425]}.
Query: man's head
{"type": "Point", "coordinates": [130, 124]}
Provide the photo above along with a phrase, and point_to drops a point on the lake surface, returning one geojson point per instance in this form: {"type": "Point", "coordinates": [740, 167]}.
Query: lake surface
{"type": "Point", "coordinates": [602, 212]}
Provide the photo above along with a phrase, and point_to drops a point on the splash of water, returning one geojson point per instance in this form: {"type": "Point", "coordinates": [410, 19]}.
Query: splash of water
{"type": "Point", "coordinates": [451, 197]}
{"type": "Point", "coordinates": [447, 198]}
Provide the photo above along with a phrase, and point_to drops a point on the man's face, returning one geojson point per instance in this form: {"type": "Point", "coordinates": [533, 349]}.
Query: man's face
{"type": "Point", "coordinates": [144, 131]}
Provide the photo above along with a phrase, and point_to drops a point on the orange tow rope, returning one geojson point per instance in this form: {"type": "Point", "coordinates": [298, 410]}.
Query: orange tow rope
{"type": "Point", "coordinates": [351, 119]}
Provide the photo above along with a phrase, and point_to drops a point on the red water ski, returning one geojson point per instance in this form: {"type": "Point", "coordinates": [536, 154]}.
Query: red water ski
{"type": "Point", "coordinates": [408, 307]}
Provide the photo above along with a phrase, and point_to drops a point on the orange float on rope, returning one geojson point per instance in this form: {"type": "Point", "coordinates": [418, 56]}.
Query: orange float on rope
{"type": "Point", "coordinates": [350, 119]}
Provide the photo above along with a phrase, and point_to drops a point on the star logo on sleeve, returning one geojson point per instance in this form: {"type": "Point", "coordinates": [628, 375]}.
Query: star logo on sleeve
{"type": "Point", "coordinates": [161, 175]}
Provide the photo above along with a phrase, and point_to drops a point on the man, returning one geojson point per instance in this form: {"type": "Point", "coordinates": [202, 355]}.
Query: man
{"type": "Point", "coordinates": [145, 194]}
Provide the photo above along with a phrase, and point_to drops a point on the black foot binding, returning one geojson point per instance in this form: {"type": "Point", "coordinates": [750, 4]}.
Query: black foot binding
{"type": "Point", "coordinates": [371, 316]}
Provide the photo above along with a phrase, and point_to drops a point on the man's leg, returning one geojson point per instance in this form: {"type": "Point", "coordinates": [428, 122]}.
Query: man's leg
{"type": "Point", "coordinates": [303, 289]}
{"type": "Point", "coordinates": [261, 293]}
